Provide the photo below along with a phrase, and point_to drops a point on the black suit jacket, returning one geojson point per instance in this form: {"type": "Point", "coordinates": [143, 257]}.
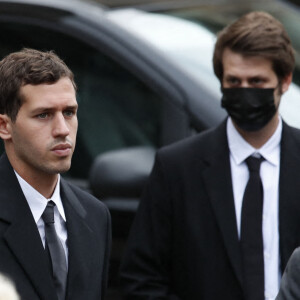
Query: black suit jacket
{"type": "Point", "coordinates": [22, 256]}
{"type": "Point", "coordinates": [184, 242]}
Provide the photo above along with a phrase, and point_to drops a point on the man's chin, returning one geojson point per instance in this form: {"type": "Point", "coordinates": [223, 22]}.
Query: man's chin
{"type": "Point", "coordinates": [59, 169]}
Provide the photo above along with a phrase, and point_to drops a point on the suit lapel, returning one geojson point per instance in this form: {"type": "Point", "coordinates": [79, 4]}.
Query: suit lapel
{"type": "Point", "coordinates": [217, 177]}
{"type": "Point", "coordinates": [80, 243]}
{"type": "Point", "coordinates": [289, 193]}
{"type": "Point", "coordinates": [25, 243]}
{"type": "Point", "coordinates": [22, 235]}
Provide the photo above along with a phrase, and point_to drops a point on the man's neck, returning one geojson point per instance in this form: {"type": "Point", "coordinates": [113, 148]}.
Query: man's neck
{"type": "Point", "coordinates": [42, 182]}
{"type": "Point", "coordinates": [45, 185]}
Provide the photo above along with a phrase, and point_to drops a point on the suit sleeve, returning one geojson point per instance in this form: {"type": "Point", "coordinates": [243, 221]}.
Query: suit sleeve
{"type": "Point", "coordinates": [290, 282]}
{"type": "Point", "coordinates": [146, 268]}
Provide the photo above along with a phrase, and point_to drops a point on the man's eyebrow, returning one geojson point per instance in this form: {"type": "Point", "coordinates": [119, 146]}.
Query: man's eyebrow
{"type": "Point", "coordinates": [75, 106]}
{"type": "Point", "coordinates": [251, 76]}
{"type": "Point", "coordinates": [230, 75]}
{"type": "Point", "coordinates": [50, 108]}
{"type": "Point", "coordinates": [40, 109]}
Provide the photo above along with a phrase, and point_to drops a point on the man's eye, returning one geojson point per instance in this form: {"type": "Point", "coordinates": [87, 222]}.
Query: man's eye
{"type": "Point", "coordinates": [256, 81]}
{"type": "Point", "coordinates": [68, 113]}
{"type": "Point", "coordinates": [43, 116]}
{"type": "Point", "coordinates": [233, 81]}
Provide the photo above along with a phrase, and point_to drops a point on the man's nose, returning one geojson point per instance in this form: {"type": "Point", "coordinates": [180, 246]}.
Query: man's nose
{"type": "Point", "coordinates": [245, 84]}
{"type": "Point", "coordinates": [60, 126]}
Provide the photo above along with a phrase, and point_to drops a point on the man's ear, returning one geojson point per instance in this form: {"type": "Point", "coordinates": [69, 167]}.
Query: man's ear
{"type": "Point", "coordinates": [286, 82]}
{"type": "Point", "coordinates": [5, 127]}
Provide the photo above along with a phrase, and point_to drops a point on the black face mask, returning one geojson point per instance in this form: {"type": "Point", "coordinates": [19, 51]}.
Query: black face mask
{"type": "Point", "coordinates": [250, 108]}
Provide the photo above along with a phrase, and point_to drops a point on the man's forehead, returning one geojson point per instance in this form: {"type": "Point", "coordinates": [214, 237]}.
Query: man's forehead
{"type": "Point", "coordinates": [255, 65]}
{"type": "Point", "coordinates": [61, 92]}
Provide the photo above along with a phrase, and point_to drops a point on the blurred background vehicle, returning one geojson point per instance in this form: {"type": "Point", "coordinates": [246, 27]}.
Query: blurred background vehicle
{"type": "Point", "coordinates": [144, 79]}
{"type": "Point", "coordinates": [171, 4]}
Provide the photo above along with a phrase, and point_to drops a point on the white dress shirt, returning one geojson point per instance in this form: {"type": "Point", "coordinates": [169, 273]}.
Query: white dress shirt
{"type": "Point", "coordinates": [38, 203]}
{"type": "Point", "coordinates": [269, 172]}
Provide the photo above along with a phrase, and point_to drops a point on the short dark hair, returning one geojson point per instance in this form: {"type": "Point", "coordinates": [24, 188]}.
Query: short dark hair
{"type": "Point", "coordinates": [28, 66]}
{"type": "Point", "coordinates": [256, 34]}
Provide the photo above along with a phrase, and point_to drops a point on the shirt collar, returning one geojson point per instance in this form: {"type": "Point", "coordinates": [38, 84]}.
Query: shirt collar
{"type": "Point", "coordinates": [37, 202]}
{"type": "Point", "coordinates": [240, 149]}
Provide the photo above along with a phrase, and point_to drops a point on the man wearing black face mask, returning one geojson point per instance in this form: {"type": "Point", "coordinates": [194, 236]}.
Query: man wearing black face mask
{"type": "Point", "coordinates": [219, 218]}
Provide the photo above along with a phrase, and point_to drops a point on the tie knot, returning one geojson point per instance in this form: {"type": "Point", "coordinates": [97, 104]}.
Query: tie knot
{"type": "Point", "coordinates": [253, 163]}
{"type": "Point", "coordinates": [48, 214]}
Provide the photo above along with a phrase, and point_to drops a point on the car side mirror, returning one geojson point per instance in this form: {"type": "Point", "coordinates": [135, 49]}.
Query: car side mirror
{"type": "Point", "coordinates": [121, 173]}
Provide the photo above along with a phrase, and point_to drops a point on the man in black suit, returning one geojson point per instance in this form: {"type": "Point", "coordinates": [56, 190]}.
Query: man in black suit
{"type": "Point", "coordinates": [54, 238]}
{"type": "Point", "coordinates": [195, 235]}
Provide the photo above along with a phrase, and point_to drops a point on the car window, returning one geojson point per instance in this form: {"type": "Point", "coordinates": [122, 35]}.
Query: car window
{"type": "Point", "coordinates": [116, 109]}
{"type": "Point", "coordinates": [188, 45]}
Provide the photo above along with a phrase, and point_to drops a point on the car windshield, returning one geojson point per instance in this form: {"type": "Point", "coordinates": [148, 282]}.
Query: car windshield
{"type": "Point", "coordinates": [187, 44]}
{"type": "Point", "coordinates": [187, 38]}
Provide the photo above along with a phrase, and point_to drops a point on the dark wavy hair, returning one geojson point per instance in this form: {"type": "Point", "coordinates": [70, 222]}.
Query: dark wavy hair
{"type": "Point", "coordinates": [256, 34]}
{"type": "Point", "coordinates": [28, 66]}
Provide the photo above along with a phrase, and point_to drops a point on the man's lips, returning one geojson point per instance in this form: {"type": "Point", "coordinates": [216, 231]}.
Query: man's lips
{"type": "Point", "coordinates": [62, 149]}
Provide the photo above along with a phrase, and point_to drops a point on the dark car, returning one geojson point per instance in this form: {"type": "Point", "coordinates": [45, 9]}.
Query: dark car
{"type": "Point", "coordinates": [141, 85]}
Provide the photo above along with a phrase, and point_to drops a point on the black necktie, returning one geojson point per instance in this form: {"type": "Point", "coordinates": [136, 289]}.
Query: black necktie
{"type": "Point", "coordinates": [251, 233]}
{"type": "Point", "coordinates": [56, 252]}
